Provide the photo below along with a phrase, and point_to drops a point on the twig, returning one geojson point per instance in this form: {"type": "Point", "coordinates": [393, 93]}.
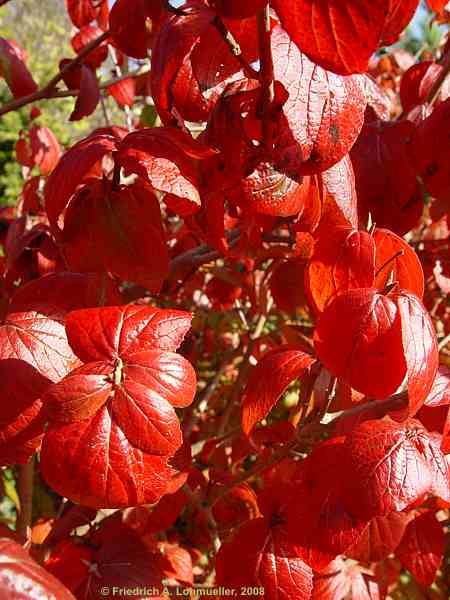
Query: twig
{"type": "Point", "coordinates": [259, 467]}
{"type": "Point", "coordinates": [208, 392]}
{"type": "Point", "coordinates": [266, 74]}
{"type": "Point", "coordinates": [105, 112]}
{"type": "Point", "coordinates": [25, 491]}
{"type": "Point", "coordinates": [380, 408]}
{"type": "Point", "coordinates": [235, 48]}
{"type": "Point", "coordinates": [206, 509]}
{"type": "Point", "coordinates": [48, 90]}
{"type": "Point", "coordinates": [237, 389]}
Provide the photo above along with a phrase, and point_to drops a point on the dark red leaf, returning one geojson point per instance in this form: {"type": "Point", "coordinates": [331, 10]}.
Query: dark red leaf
{"type": "Point", "coordinates": [235, 9]}
{"type": "Point", "coordinates": [321, 525]}
{"type": "Point", "coordinates": [117, 231]}
{"type": "Point", "coordinates": [14, 69]}
{"type": "Point", "coordinates": [416, 84]}
{"type": "Point", "coordinates": [422, 547]}
{"type": "Point", "coordinates": [269, 379]}
{"type": "Point", "coordinates": [286, 285]}
{"type": "Point", "coordinates": [84, 79]}
{"type": "Point", "coordinates": [323, 115]}
{"type": "Point", "coordinates": [386, 181]}
{"type": "Point", "coordinates": [69, 173]}
{"type": "Point", "coordinates": [133, 24]}
{"type": "Point", "coordinates": [429, 150]}
{"type": "Point", "coordinates": [174, 42]}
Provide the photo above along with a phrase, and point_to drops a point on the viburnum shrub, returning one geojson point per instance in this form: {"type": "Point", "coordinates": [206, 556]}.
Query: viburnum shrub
{"type": "Point", "coordinates": [224, 349]}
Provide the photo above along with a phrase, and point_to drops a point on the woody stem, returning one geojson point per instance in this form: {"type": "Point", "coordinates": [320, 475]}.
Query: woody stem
{"type": "Point", "coordinates": [25, 490]}
{"type": "Point", "coordinates": [266, 74]}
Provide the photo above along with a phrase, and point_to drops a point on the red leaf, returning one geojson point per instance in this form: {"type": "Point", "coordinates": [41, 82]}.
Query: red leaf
{"type": "Point", "coordinates": [145, 417]}
{"type": "Point", "coordinates": [45, 149]}
{"type": "Point", "coordinates": [19, 574]}
{"type": "Point", "coordinates": [69, 173]}
{"type": "Point", "coordinates": [21, 424]}
{"type": "Point", "coordinates": [339, 185]}
{"type": "Point", "coordinates": [104, 334]}
{"type": "Point", "coordinates": [340, 37]}
{"type": "Point", "coordinates": [260, 555]}
{"type": "Point", "coordinates": [398, 17]}
{"type": "Point", "coordinates": [437, 5]}
{"type": "Point", "coordinates": [88, 34]}
{"type": "Point", "coordinates": [237, 506]}
{"type": "Point", "coordinates": [163, 156]}
{"type": "Point", "coordinates": [422, 548]}
{"type": "Point", "coordinates": [269, 379]}
{"type": "Point", "coordinates": [342, 260]}
{"type": "Point", "coordinates": [440, 392]}
{"type": "Point", "coordinates": [117, 231]}
{"type": "Point", "coordinates": [286, 285]}
{"type": "Point", "coordinates": [133, 24]}
{"type": "Point", "coordinates": [406, 268]}
{"type": "Point", "coordinates": [420, 348]}
{"type": "Point", "coordinates": [92, 462]}
{"type": "Point", "coordinates": [340, 580]}
{"type": "Point", "coordinates": [323, 115]}
{"type": "Point", "coordinates": [33, 329]}
{"type": "Point", "coordinates": [14, 69]}
{"type": "Point", "coordinates": [82, 12]}
{"type": "Point", "coordinates": [380, 538]}
{"type": "Point", "coordinates": [123, 92]}
{"type": "Point", "coordinates": [359, 335]}
{"type": "Point", "coordinates": [269, 192]}
{"type": "Point", "coordinates": [392, 465]}
{"type": "Point", "coordinates": [434, 413]}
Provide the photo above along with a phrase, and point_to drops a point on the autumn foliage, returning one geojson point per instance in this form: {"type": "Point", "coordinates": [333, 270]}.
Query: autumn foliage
{"type": "Point", "coordinates": [224, 321]}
